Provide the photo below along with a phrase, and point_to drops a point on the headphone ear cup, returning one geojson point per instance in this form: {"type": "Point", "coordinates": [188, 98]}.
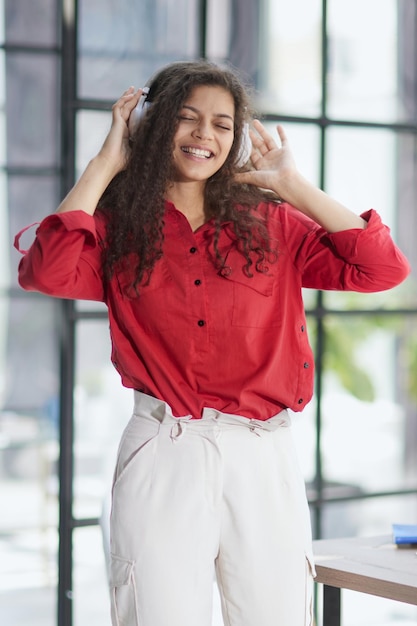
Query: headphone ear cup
{"type": "Point", "coordinates": [138, 112]}
{"type": "Point", "coordinates": [245, 149]}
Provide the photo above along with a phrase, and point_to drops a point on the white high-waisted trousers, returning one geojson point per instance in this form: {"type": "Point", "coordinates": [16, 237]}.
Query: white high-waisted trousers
{"type": "Point", "coordinates": [192, 499]}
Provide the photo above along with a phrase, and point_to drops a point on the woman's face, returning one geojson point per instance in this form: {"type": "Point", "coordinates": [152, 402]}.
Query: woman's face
{"type": "Point", "coordinates": [204, 135]}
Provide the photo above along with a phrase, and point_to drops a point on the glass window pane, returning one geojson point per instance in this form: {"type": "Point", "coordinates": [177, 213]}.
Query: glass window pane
{"type": "Point", "coordinates": [407, 60]}
{"type": "Point", "coordinates": [31, 23]}
{"type": "Point", "coordinates": [304, 140]}
{"type": "Point", "coordinates": [98, 308]}
{"type": "Point", "coordinates": [406, 377]}
{"type": "Point", "coordinates": [91, 600]}
{"type": "Point", "coordinates": [309, 298]}
{"type": "Point", "coordinates": [123, 43]}
{"type": "Point", "coordinates": [102, 408]}
{"type": "Point", "coordinates": [352, 153]}
{"type": "Point", "coordinates": [34, 606]}
{"type": "Point", "coordinates": [290, 66]}
{"type": "Point", "coordinates": [3, 120]}
{"type": "Point", "coordinates": [402, 296]}
{"type": "Point", "coordinates": [28, 463]}
{"type": "Point", "coordinates": [369, 404]}
{"type": "Point", "coordinates": [30, 198]}
{"type": "Point", "coordinates": [32, 128]}
{"type": "Point", "coordinates": [5, 238]}
{"type": "Point", "coordinates": [233, 32]}
{"type": "Point", "coordinates": [358, 51]}
{"type": "Point", "coordinates": [91, 130]}
{"type": "Point", "coordinates": [368, 517]}
{"type": "Point", "coordinates": [30, 368]}
{"type": "Point", "coordinates": [406, 201]}
{"type": "Point", "coordinates": [2, 25]}
{"type": "Point", "coordinates": [363, 171]}
{"type": "Point", "coordinates": [375, 611]}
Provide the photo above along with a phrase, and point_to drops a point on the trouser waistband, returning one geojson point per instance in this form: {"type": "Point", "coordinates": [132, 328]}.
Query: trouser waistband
{"type": "Point", "coordinates": [148, 406]}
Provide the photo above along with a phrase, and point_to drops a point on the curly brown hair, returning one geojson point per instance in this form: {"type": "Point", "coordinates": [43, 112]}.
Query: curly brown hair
{"type": "Point", "coordinates": [134, 202]}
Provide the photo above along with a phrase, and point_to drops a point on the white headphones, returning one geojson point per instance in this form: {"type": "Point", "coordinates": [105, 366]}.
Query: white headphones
{"type": "Point", "coordinates": [245, 149]}
{"type": "Point", "coordinates": [138, 112]}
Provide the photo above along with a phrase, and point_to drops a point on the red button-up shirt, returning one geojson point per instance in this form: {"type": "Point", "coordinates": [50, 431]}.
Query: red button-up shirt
{"type": "Point", "coordinates": [196, 338]}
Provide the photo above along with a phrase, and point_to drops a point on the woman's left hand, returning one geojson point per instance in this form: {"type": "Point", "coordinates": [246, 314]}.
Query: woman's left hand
{"type": "Point", "coordinates": [275, 169]}
{"type": "Point", "coordinates": [274, 165]}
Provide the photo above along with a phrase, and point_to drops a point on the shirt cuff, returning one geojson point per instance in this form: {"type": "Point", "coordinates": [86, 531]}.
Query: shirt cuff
{"type": "Point", "coordinates": [70, 221]}
{"type": "Point", "coordinates": [347, 242]}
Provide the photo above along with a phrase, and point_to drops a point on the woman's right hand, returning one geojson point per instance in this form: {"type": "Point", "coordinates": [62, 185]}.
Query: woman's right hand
{"type": "Point", "coordinates": [110, 160]}
{"type": "Point", "coordinates": [116, 149]}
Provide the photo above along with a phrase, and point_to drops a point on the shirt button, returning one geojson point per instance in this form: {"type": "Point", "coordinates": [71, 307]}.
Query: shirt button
{"type": "Point", "coordinates": [302, 329]}
{"type": "Point", "coordinates": [300, 401]}
{"type": "Point", "coordinates": [201, 322]}
{"type": "Point", "coordinates": [193, 250]}
{"type": "Point", "coordinates": [197, 282]}
{"type": "Point", "coordinates": [306, 365]}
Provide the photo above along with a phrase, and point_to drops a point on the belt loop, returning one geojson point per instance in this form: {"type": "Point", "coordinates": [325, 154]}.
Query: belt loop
{"type": "Point", "coordinates": [178, 430]}
{"type": "Point", "coordinates": [255, 427]}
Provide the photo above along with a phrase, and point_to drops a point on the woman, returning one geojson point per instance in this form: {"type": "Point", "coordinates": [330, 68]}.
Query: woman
{"type": "Point", "coordinates": [201, 261]}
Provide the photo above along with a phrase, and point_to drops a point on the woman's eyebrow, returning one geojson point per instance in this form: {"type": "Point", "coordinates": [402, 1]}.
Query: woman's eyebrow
{"type": "Point", "coordinates": [188, 106]}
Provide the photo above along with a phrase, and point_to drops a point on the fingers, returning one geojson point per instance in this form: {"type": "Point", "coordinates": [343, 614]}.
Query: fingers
{"type": "Point", "coordinates": [263, 136]}
{"type": "Point", "coordinates": [127, 102]}
{"type": "Point", "coordinates": [282, 135]}
{"type": "Point", "coordinates": [262, 141]}
{"type": "Point", "coordinates": [125, 97]}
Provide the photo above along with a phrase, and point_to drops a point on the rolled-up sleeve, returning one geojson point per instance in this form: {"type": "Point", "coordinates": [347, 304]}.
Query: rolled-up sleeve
{"type": "Point", "coordinates": [363, 260]}
{"type": "Point", "coordinates": [373, 261]}
{"type": "Point", "coordinates": [65, 258]}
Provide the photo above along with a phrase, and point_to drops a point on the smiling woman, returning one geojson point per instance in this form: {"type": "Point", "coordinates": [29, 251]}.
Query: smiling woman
{"type": "Point", "coordinates": [219, 123]}
{"type": "Point", "coordinates": [201, 262]}
{"type": "Point", "coordinates": [202, 143]}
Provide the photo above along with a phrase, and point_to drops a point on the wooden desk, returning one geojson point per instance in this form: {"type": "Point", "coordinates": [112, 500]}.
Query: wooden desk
{"type": "Point", "coordinates": [371, 565]}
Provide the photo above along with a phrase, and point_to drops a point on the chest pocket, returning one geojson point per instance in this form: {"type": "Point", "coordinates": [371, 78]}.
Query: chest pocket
{"type": "Point", "coordinates": [255, 299]}
{"type": "Point", "coordinates": [148, 306]}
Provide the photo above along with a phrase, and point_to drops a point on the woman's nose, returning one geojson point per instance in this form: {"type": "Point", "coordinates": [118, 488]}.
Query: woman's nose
{"type": "Point", "coordinates": [203, 130]}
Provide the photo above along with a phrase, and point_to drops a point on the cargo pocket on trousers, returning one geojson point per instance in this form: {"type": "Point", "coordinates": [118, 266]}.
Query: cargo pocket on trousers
{"type": "Point", "coordinates": [124, 601]}
{"type": "Point", "coordinates": [309, 590]}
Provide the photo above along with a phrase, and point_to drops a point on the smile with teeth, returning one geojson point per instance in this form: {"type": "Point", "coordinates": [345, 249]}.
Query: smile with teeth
{"type": "Point", "coordinates": [198, 152]}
